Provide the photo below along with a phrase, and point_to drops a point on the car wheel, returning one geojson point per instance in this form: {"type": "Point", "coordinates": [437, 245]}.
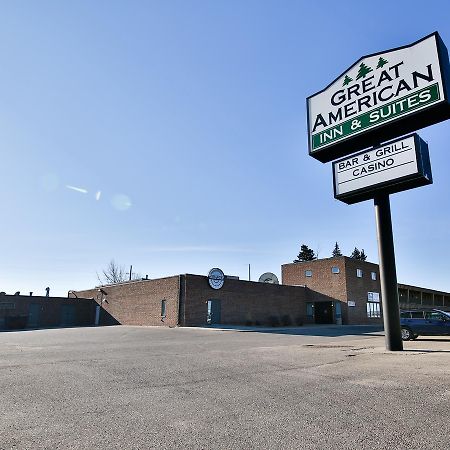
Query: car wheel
{"type": "Point", "coordinates": [407, 334]}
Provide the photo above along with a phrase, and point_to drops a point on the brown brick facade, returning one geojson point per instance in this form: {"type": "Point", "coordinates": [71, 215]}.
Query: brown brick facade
{"type": "Point", "coordinates": [186, 296]}
{"type": "Point", "coordinates": [138, 302]}
{"type": "Point", "coordinates": [300, 299]}
{"type": "Point", "coordinates": [20, 311]}
{"type": "Point", "coordinates": [244, 302]}
{"type": "Point", "coordinates": [344, 286]}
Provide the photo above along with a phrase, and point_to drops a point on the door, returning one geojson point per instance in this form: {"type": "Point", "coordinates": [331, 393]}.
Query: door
{"type": "Point", "coordinates": [213, 314]}
{"type": "Point", "coordinates": [33, 315]}
{"type": "Point", "coordinates": [338, 312]}
{"type": "Point", "coordinates": [323, 312]}
{"type": "Point", "coordinates": [68, 315]}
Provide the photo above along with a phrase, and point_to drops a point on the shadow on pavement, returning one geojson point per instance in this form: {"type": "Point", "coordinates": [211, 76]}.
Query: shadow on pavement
{"type": "Point", "coordinates": [425, 351]}
{"type": "Point", "coordinates": [318, 330]}
{"type": "Point", "coordinates": [419, 339]}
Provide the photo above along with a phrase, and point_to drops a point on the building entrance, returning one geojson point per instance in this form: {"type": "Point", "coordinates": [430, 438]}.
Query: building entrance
{"type": "Point", "coordinates": [323, 312]}
{"type": "Point", "coordinates": [213, 315]}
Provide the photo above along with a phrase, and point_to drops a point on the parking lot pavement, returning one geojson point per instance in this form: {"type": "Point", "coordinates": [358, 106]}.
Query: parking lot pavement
{"type": "Point", "coordinates": [142, 387]}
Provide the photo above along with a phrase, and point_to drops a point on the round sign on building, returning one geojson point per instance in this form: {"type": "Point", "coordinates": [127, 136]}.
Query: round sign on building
{"type": "Point", "coordinates": [216, 278]}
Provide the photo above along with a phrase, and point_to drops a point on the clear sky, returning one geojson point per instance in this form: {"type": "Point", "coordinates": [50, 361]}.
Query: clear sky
{"type": "Point", "coordinates": [171, 135]}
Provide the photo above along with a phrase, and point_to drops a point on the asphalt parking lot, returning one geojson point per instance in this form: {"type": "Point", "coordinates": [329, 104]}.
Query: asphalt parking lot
{"type": "Point", "coordinates": [144, 387]}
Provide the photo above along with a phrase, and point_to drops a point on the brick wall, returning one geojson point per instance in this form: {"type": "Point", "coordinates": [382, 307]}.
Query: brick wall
{"type": "Point", "coordinates": [15, 311]}
{"type": "Point", "coordinates": [244, 302]}
{"type": "Point", "coordinates": [138, 302]}
{"type": "Point", "coordinates": [357, 289]}
{"type": "Point", "coordinates": [322, 280]}
{"type": "Point", "coordinates": [343, 286]}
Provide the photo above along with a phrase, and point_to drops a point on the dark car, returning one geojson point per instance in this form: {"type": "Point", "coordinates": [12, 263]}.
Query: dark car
{"type": "Point", "coordinates": [424, 322]}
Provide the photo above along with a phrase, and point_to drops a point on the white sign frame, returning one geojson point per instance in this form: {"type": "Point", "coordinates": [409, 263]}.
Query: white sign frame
{"type": "Point", "coordinates": [391, 93]}
{"type": "Point", "coordinates": [393, 167]}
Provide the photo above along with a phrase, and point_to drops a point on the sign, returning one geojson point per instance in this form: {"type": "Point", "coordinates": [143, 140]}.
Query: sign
{"type": "Point", "coordinates": [393, 167]}
{"type": "Point", "coordinates": [216, 278]}
{"type": "Point", "coordinates": [373, 297]}
{"type": "Point", "coordinates": [380, 97]}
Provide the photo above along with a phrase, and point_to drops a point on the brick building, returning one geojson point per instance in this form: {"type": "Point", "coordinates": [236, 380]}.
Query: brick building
{"type": "Point", "coordinates": [353, 290]}
{"type": "Point", "coordinates": [25, 311]}
{"type": "Point", "coordinates": [188, 300]}
{"type": "Point", "coordinates": [337, 290]}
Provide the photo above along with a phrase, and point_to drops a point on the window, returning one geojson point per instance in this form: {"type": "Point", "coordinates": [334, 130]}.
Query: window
{"type": "Point", "coordinates": [373, 310]}
{"type": "Point", "coordinates": [434, 315]}
{"type": "Point", "coordinates": [335, 269]}
{"type": "Point", "coordinates": [373, 275]}
{"type": "Point", "coordinates": [405, 315]}
{"type": "Point", "coordinates": [308, 273]}
{"type": "Point", "coordinates": [359, 273]}
{"type": "Point", "coordinates": [163, 308]}
{"type": "Point", "coordinates": [310, 310]}
{"type": "Point", "coordinates": [417, 314]}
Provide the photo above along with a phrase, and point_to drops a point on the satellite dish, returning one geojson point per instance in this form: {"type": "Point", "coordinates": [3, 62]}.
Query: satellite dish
{"type": "Point", "coordinates": [268, 277]}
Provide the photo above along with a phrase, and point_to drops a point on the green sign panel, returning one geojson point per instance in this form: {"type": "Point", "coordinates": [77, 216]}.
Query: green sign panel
{"type": "Point", "coordinates": [389, 111]}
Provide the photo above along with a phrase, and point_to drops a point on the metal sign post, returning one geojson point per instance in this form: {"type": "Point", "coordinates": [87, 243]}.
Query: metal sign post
{"type": "Point", "coordinates": [388, 274]}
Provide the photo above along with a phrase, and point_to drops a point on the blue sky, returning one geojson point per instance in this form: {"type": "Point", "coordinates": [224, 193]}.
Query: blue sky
{"type": "Point", "coordinates": [183, 127]}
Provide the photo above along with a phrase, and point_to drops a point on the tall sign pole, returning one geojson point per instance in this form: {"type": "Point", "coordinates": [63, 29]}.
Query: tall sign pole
{"type": "Point", "coordinates": [382, 96]}
{"type": "Point", "coordinates": [388, 273]}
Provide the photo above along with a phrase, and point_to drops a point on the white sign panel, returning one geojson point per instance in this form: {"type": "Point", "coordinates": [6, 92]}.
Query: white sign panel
{"type": "Point", "coordinates": [351, 303]}
{"type": "Point", "coordinates": [377, 90]}
{"type": "Point", "coordinates": [376, 166]}
{"type": "Point", "coordinates": [393, 167]}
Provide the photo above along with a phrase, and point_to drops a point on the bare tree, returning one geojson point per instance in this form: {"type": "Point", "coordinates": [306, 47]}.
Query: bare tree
{"type": "Point", "coordinates": [114, 273]}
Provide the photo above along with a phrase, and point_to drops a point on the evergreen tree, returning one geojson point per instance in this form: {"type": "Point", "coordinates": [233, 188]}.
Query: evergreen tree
{"type": "Point", "coordinates": [347, 80]}
{"type": "Point", "coordinates": [356, 254]}
{"type": "Point", "coordinates": [381, 62]}
{"type": "Point", "coordinates": [362, 256]}
{"type": "Point", "coordinates": [363, 71]}
{"type": "Point", "coordinates": [336, 251]}
{"type": "Point", "coordinates": [306, 254]}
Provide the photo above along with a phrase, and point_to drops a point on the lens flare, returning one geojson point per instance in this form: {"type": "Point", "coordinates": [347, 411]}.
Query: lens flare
{"type": "Point", "coordinates": [121, 202]}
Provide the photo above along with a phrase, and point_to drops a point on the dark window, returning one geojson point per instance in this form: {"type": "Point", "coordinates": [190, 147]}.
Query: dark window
{"type": "Point", "coordinates": [417, 314]}
{"type": "Point", "coordinates": [434, 315]}
{"type": "Point", "coordinates": [308, 273]}
{"type": "Point", "coordinates": [163, 308]}
{"type": "Point", "coordinates": [405, 315]}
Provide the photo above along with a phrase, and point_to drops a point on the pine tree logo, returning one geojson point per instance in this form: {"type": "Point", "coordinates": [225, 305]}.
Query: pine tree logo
{"type": "Point", "coordinates": [381, 63]}
{"type": "Point", "coordinates": [347, 80]}
{"type": "Point", "coordinates": [363, 71]}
